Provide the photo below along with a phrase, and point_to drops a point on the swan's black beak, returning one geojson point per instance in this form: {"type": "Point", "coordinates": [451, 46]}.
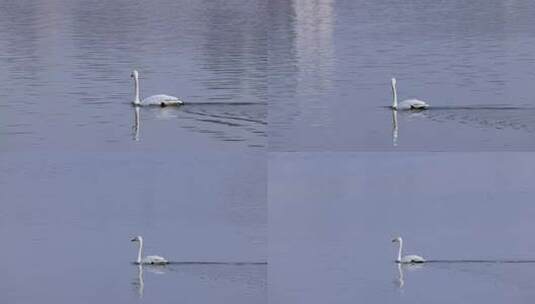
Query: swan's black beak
{"type": "Point", "coordinates": [394, 240]}
{"type": "Point", "coordinates": [131, 75]}
{"type": "Point", "coordinates": [133, 240]}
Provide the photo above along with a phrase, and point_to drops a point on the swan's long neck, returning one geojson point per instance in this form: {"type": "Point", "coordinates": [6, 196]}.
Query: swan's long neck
{"type": "Point", "coordinates": [399, 252]}
{"type": "Point", "coordinates": [136, 86]}
{"type": "Point", "coordinates": [140, 251]}
{"type": "Point", "coordinates": [395, 95]}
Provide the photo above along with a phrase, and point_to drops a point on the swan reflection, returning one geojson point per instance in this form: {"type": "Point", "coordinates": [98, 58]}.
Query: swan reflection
{"type": "Point", "coordinates": [135, 127]}
{"type": "Point", "coordinates": [139, 283]}
{"type": "Point", "coordinates": [400, 281]}
{"type": "Point", "coordinates": [394, 127]}
{"type": "Point", "coordinates": [229, 122]}
{"type": "Point", "coordinates": [166, 113]}
{"type": "Point", "coordinates": [485, 117]}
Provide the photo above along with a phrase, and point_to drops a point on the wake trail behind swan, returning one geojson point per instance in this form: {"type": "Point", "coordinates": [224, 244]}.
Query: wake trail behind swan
{"type": "Point", "coordinates": [483, 261]}
{"type": "Point", "coordinates": [208, 263]}
{"type": "Point", "coordinates": [472, 107]}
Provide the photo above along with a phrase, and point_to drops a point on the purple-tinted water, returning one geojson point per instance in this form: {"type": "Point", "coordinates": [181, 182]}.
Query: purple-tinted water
{"type": "Point", "coordinates": [332, 217]}
{"type": "Point", "coordinates": [66, 74]}
{"type": "Point", "coordinates": [330, 65]}
{"type": "Point", "coordinates": [81, 171]}
{"type": "Point", "coordinates": [67, 219]}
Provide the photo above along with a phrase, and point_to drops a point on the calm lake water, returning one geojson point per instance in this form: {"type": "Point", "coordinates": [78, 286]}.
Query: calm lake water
{"type": "Point", "coordinates": [330, 65]}
{"type": "Point", "coordinates": [193, 181]}
{"type": "Point", "coordinates": [332, 217]}
{"type": "Point", "coordinates": [66, 74]}
{"type": "Point", "coordinates": [82, 170]}
{"type": "Point", "coordinates": [66, 222]}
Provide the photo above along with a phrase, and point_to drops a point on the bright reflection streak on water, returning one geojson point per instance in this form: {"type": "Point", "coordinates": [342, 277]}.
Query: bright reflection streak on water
{"type": "Point", "coordinates": [330, 65]}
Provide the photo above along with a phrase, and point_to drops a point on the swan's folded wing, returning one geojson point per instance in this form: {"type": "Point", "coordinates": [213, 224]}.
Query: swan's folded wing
{"type": "Point", "coordinates": [417, 104]}
{"type": "Point", "coordinates": [155, 259]}
{"type": "Point", "coordinates": [161, 98]}
{"type": "Point", "coordinates": [413, 259]}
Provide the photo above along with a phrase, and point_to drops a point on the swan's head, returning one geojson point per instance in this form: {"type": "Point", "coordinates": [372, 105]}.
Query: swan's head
{"type": "Point", "coordinates": [134, 74]}
{"type": "Point", "coordinates": [397, 240]}
{"type": "Point", "coordinates": [393, 81]}
{"type": "Point", "coordinates": [137, 239]}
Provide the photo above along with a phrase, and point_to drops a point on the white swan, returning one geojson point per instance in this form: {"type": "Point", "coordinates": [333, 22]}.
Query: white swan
{"type": "Point", "coordinates": [408, 258]}
{"type": "Point", "coordinates": [409, 104]}
{"type": "Point", "coordinates": [154, 100]}
{"type": "Point", "coordinates": [151, 259]}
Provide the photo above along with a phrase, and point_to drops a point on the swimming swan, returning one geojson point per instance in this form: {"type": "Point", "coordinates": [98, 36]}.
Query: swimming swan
{"type": "Point", "coordinates": [151, 259]}
{"type": "Point", "coordinates": [408, 258]}
{"type": "Point", "coordinates": [409, 104]}
{"type": "Point", "coordinates": [154, 100]}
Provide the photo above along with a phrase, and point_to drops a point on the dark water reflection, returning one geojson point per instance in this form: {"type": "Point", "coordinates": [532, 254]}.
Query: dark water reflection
{"type": "Point", "coordinates": [66, 64]}
{"type": "Point", "coordinates": [330, 64]}
{"type": "Point", "coordinates": [493, 123]}
{"type": "Point", "coordinates": [234, 122]}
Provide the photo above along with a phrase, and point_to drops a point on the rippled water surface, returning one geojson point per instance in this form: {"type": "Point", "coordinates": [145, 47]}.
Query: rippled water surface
{"type": "Point", "coordinates": [82, 170]}
{"type": "Point", "coordinates": [66, 67]}
{"type": "Point", "coordinates": [330, 65]}
{"type": "Point", "coordinates": [332, 217]}
{"type": "Point", "coordinates": [67, 219]}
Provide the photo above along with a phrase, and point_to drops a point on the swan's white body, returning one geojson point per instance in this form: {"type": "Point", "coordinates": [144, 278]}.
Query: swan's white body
{"type": "Point", "coordinates": [154, 100]}
{"type": "Point", "coordinates": [409, 104]}
{"type": "Point", "coordinates": [411, 259]}
{"type": "Point", "coordinates": [408, 259]}
{"type": "Point", "coordinates": [151, 259]}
